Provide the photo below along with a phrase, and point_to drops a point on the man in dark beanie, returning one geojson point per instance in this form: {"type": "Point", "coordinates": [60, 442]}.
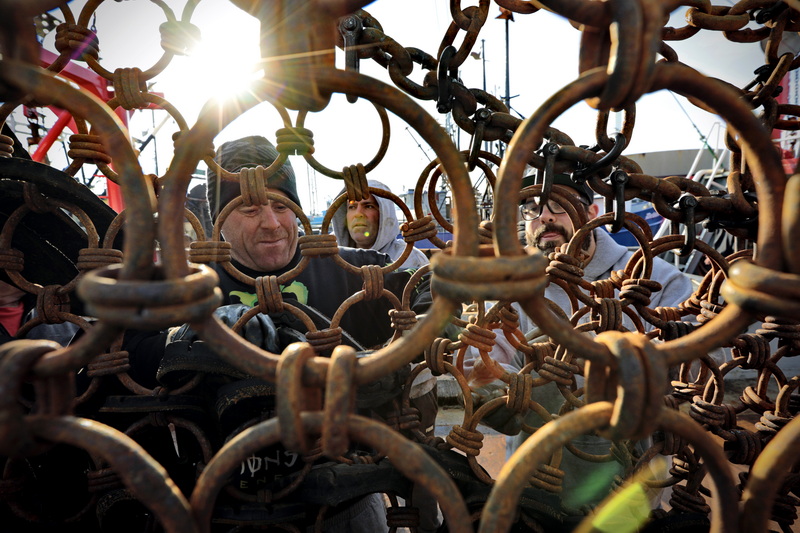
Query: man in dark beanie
{"type": "Point", "coordinates": [264, 242]}
{"type": "Point", "coordinates": [247, 152]}
{"type": "Point", "coordinates": [262, 237]}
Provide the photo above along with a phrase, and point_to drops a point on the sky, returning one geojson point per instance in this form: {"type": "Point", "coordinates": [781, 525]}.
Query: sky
{"type": "Point", "coordinates": [543, 57]}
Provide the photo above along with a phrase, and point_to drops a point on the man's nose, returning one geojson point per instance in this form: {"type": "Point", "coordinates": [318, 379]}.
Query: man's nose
{"type": "Point", "coordinates": [268, 218]}
{"type": "Point", "coordinates": [547, 214]}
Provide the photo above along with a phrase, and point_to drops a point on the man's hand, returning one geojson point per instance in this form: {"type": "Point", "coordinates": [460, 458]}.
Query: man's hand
{"type": "Point", "coordinates": [502, 418]}
{"type": "Point", "coordinates": [482, 374]}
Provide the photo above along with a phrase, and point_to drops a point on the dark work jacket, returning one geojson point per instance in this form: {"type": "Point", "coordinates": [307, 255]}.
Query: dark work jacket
{"type": "Point", "coordinates": [324, 285]}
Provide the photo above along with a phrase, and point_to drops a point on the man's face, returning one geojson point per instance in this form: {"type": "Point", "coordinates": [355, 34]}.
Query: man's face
{"type": "Point", "coordinates": [551, 230]}
{"type": "Point", "coordinates": [262, 237]}
{"type": "Point", "coordinates": [363, 220]}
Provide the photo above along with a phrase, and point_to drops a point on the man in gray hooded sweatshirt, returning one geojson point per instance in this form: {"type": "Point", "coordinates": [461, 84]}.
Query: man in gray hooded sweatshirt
{"type": "Point", "coordinates": [373, 224]}
{"type": "Point", "coordinates": [548, 227]}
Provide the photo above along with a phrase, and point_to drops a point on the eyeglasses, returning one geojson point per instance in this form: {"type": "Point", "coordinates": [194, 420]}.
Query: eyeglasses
{"type": "Point", "coordinates": [531, 210]}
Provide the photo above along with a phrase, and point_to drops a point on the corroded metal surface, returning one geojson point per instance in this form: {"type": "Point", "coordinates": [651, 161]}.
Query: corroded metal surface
{"type": "Point", "coordinates": [155, 450]}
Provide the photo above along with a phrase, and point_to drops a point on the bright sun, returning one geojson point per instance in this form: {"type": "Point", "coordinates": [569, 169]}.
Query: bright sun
{"type": "Point", "coordinates": [222, 64]}
{"type": "Point", "coordinates": [229, 63]}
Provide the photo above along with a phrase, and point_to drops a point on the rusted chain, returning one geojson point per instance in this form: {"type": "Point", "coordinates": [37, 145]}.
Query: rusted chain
{"type": "Point", "coordinates": [726, 301]}
{"type": "Point", "coordinates": [368, 431]}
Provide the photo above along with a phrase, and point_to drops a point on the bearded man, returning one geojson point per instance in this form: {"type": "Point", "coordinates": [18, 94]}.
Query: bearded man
{"type": "Point", "coordinates": [547, 227]}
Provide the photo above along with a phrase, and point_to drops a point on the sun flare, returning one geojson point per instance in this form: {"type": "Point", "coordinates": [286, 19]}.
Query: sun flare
{"type": "Point", "coordinates": [230, 62]}
{"type": "Point", "coordinates": [222, 64]}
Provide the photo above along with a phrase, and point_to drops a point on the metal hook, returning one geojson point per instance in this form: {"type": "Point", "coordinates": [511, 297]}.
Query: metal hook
{"type": "Point", "coordinates": [619, 179]}
{"type": "Point", "coordinates": [350, 28]}
{"type": "Point", "coordinates": [687, 204]}
{"type": "Point", "coordinates": [770, 13]}
{"type": "Point", "coordinates": [482, 116]}
{"type": "Point", "coordinates": [762, 73]}
{"type": "Point", "coordinates": [717, 221]}
{"type": "Point", "coordinates": [582, 174]}
{"type": "Point", "coordinates": [550, 152]}
{"type": "Point", "coordinates": [443, 75]}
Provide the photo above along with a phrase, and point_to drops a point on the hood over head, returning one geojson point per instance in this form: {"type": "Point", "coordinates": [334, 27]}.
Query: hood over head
{"type": "Point", "coordinates": [387, 240]}
{"type": "Point", "coordinates": [388, 225]}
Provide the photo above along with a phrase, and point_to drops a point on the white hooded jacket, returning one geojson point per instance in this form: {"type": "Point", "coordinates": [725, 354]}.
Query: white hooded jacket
{"type": "Point", "coordinates": [388, 228]}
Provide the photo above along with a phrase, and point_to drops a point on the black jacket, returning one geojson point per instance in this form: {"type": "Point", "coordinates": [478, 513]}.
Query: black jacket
{"type": "Point", "coordinates": [324, 285]}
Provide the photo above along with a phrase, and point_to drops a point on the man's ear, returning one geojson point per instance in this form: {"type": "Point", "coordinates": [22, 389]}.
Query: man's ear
{"type": "Point", "coordinates": [593, 210]}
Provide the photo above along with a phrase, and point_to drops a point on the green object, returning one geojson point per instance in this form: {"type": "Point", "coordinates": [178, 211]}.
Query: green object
{"type": "Point", "coordinates": [626, 512]}
{"type": "Point", "coordinates": [595, 485]}
{"type": "Point", "coordinates": [297, 288]}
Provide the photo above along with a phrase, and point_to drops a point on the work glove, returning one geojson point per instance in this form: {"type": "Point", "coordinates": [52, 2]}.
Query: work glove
{"type": "Point", "coordinates": [186, 353]}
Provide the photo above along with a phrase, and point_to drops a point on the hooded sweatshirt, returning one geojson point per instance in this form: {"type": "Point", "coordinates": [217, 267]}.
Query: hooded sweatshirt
{"type": "Point", "coordinates": [578, 474]}
{"type": "Point", "coordinates": [388, 228]}
{"type": "Point", "coordinates": [387, 243]}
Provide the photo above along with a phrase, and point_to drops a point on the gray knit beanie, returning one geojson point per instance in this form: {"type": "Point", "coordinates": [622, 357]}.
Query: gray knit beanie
{"type": "Point", "coordinates": [243, 153]}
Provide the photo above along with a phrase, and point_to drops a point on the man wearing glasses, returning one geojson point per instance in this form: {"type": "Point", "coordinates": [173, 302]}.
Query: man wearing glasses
{"type": "Point", "coordinates": [547, 227]}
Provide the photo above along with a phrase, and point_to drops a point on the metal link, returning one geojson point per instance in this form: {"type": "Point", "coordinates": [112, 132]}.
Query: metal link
{"type": "Point", "coordinates": [178, 37]}
{"type": "Point", "coordinates": [77, 42]}
{"type": "Point", "coordinates": [318, 245]}
{"type": "Point", "coordinates": [269, 295]}
{"type": "Point", "coordinates": [417, 230]}
{"type": "Point", "coordinates": [626, 374]}
{"type": "Point", "coordinates": [469, 442]}
{"type": "Point", "coordinates": [210, 252]}
{"type": "Point", "coordinates": [355, 182]}
{"type": "Point", "coordinates": [253, 185]}
{"type": "Point", "coordinates": [128, 88]}
{"type": "Point", "coordinates": [325, 340]}
{"type": "Point", "coordinates": [89, 148]}
{"type": "Point", "coordinates": [6, 146]}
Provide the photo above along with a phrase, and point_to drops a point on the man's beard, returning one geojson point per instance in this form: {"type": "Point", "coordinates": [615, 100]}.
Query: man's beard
{"type": "Point", "coordinates": [546, 247]}
{"type": "Point", "coordinates": [535, 238]}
